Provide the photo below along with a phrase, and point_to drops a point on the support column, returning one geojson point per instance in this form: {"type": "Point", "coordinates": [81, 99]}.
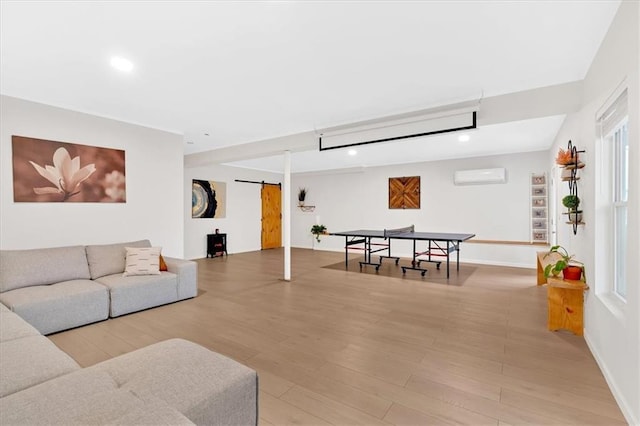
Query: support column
{"type": "Point", "coordinates": [286, 217]}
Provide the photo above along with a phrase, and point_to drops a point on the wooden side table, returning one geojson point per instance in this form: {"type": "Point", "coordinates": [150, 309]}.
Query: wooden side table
{"type": "Point", "coordinates": [566, 305]}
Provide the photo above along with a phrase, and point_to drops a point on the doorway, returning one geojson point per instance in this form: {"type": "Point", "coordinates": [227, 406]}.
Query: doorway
{"type": "Point", "coordinates": [271, 216]}
{"type": "Point", "coordinates": [556, 175]}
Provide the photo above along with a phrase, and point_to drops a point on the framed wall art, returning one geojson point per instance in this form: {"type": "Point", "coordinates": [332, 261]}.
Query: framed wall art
{"type": "Point", "coordinates": [51, 171]}
{"type": "Point", "coordinates": [404, 192]}
{"type": "Point", "coordinates": [208, 199]}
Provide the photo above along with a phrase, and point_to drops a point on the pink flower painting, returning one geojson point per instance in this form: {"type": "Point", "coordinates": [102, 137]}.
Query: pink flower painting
{"type": "Point", "coordinates": [49, 171]}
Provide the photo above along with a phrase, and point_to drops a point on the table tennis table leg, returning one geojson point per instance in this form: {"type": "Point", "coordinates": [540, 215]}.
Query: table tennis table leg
{"type": "Point", "coordinates": [415, 264]}
{"type": "Point", "coordinates": [346, 252]}
{"type": "Point", "coordinates": [367, 250]}
{"type": "Point", "coordinates": [367, 254]}
{"type": "Point", "coordinates": [448, 259]}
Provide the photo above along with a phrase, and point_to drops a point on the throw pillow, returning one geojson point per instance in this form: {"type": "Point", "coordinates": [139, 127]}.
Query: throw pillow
{"type": "Point", "coordinates": [163, 264]}
{"type": "Point", "coordinates": [142, 261]}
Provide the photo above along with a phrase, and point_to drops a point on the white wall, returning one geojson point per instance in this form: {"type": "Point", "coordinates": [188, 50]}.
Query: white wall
{"type": "Point", "coordinates": [612, 330]}
{"type": "Point", "coordinates": [359, 200]}
{"type": "Point", "coordinates": [154, 172]}
{"type": "Point", "coordinates": [242, 223]}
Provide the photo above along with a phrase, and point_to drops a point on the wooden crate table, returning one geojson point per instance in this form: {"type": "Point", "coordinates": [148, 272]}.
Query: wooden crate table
{"type": "Point", "coordinates": [566, 304]}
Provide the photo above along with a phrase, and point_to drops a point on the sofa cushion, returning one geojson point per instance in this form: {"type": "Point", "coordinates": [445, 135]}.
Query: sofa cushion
{"type": "Point", "coordinates": [109, 259]}
{"type": "Point", "coordinates": [55, 307]}
{"type": "Point", "coordinates": [151, 412]}
{"type": "Point", "coordinates": [4, 309]}
{"type": "Point", "coordinates": [23, 268]}
{"type": "Point", "coordinates": [131, 294]}
{"type": "Point", "coordinates": [13, 327]}
{"type": "Point", "coordinates": [46, 402]}
{"type": "Point", "coordinates": [29, 361]}
{"type": "Point", "coordinates": [83, 398]}
{"type": "Point", "coordinates": [208, 388]}
{"type": "Point", "coordinates": [142, 261]}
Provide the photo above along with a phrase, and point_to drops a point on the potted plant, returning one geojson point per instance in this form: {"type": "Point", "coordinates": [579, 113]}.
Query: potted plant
{"type": "Point", "coordinates": [302, 195]}
{"type": "Point", "coordinates": [572, 202]}
{"type": "Point", "coordinates": [571, 269]}
{"type": "Point", "coordinates": [565, 158]}
{"type": "Point", "coordinates": [318, 230]}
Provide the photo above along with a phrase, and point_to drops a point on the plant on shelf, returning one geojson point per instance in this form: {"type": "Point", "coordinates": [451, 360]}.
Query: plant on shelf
{"type": "Point", "coordinates": [571, 269]}
{"type": "Point", "coordinates": [572, 202]}
{"type": "Point", "coordinates": [564, 158]}
{"type": "Point", "coordinates": [318, 230]}
{"type": "Point", "coordinates": [302, 195]}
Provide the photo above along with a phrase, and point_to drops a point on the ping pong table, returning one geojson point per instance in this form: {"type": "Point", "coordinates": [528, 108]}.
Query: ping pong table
{"type": "Point", "coordinates": [439, 244]}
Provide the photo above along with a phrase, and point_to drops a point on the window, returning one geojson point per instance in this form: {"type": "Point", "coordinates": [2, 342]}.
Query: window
{"type": "Point", "coordinates": [620, 176]}
{"type": "Point", "coordinates": [613, 125]}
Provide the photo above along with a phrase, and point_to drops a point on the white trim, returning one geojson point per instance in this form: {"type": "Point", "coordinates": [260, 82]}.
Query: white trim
{"type": "Point", "coordinates": [617, 395]}
{"type": "Point", "coordinates": [529, 265]}
{"type": "Point", "coordinates": [611, 99]}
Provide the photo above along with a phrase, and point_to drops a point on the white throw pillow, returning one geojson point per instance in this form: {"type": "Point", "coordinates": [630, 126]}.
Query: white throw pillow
{"type": "Point", "coordinates": [142, 261]}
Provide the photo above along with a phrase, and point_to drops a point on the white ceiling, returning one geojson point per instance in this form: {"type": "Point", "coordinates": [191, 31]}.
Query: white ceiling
{"type": "Point", "coordinates": [513, 137]}
{"type": "Point", "coordinates": [248, 71]}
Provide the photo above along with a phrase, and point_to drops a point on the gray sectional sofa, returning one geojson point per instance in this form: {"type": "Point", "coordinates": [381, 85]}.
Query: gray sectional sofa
{"type": "Point", "coordinates": [174, 382]}
{"type": "Point", "coordinates": [59, 288]}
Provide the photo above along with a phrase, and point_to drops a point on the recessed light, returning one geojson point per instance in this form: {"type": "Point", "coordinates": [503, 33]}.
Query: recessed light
{"type": "Point", "coordinates": [464, 138]}
{"type": "Point", "coordinates": [121, 64]}
{"type": "Point", "coordinates": [352, 152]}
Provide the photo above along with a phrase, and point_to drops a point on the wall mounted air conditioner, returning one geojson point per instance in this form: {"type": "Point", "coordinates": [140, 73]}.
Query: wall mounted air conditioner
{"type": "Point", "coordinates": [480, 176]}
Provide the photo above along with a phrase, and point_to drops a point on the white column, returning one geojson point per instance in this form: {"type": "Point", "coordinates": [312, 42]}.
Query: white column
{"type": "Point", "coordinates": [286, 217]}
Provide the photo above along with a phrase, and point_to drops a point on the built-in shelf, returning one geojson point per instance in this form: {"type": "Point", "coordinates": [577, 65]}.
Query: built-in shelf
{"type": "Point", "coordinates": [539, 222]}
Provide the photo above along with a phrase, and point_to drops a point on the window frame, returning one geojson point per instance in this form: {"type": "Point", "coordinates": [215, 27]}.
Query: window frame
{"type": "Point", "coordinates": [619, 140]}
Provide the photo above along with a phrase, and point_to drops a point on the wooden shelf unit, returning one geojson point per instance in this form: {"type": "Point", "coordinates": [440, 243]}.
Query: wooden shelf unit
{"type": "Point", "coordinates": [539, 230]}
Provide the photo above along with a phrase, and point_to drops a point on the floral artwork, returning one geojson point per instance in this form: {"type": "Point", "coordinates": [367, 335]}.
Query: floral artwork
{"type": "Point", "coordinates": [50, 171]}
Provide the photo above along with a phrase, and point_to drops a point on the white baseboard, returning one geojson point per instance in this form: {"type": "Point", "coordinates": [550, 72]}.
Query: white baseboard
{"type": "Point", "coordinates": [474, 261]}
{"type": "Point", "coordinates": [498, 263]}
{"type": "Point", "coordinates": [622, 402]}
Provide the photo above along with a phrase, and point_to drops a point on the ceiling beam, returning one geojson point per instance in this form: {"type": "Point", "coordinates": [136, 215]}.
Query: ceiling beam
{"type": "Point", "coordinates": [535, 103]}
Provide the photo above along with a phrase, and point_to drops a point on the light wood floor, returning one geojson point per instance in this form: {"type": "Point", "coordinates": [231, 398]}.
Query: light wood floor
{"type": "Point", "coordinates": [346, 348]}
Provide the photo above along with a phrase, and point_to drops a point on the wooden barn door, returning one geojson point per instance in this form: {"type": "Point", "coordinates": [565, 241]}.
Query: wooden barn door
{"type": "Point", "coordinates": [271, 216]}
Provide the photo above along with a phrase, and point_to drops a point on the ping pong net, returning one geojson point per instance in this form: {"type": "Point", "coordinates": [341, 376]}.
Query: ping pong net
{"type": "Point", "coordinates": [391, 232]}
